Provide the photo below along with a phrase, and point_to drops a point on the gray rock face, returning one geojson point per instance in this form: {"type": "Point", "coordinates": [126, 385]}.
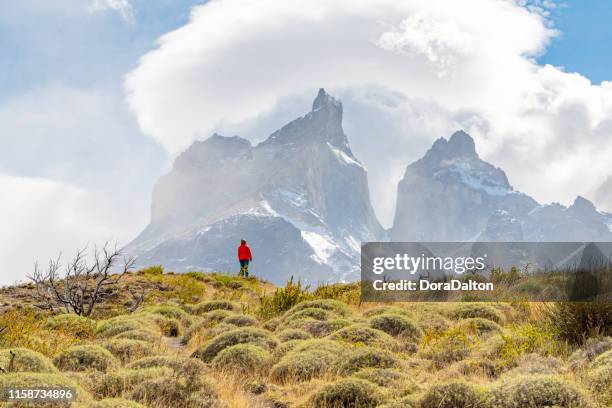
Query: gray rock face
{"type": "Point", "coordinates": [452, 195]}
{"type": "Point", "coordinates": [300, 198]}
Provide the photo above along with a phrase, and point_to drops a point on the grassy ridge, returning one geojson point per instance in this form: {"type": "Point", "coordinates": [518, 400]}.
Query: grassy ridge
{"type": "Point", "coordinates": [214, 340]}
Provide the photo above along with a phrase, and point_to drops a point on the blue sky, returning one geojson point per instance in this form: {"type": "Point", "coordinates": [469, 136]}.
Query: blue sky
{"type": "Point", "coordinates": [584, 45]}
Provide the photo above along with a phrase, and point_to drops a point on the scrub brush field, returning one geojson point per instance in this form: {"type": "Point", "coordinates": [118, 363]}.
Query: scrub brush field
{"type": "Point", "coordinates": [213, 340]}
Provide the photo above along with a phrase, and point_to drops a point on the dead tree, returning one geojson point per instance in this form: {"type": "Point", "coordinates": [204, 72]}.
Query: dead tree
{"type": "Point", "coordinates": [83, 285]}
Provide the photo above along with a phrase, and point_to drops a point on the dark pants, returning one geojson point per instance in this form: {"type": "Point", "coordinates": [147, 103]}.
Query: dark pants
{"type": "Point", "coordinates": [244, 267]}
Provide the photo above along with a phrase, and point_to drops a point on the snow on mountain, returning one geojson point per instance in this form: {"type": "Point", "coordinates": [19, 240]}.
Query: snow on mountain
{"type": "Point", "coordinates": [300, 199]}
{"type": "Point", "coordinates": [453, 195]}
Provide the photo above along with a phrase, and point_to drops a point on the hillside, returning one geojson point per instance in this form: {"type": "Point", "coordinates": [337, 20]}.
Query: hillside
{"type": "Point", "coordinates": [214, 340]}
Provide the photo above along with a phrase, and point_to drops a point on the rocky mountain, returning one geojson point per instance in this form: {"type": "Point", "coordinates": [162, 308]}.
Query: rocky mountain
{"type": "Point", "coordinates": [300, 199]}
{"type": "Point", "coordinates": [452, 195]}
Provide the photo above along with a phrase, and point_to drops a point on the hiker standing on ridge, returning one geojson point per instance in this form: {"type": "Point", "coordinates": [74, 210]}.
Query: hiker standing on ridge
{"type": "Point", "coordinates": [244, 256]}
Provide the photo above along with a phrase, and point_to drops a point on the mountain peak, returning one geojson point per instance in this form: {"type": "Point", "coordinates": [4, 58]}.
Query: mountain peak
{"type": "Point", "coordinates": [459, 145]}
{"type": "Point", "coordinates": [324, 99]}
{"type": "Point", "coordinates": [583, 205]}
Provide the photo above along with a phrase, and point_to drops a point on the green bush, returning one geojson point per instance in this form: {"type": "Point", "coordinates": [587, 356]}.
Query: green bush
{"type": "Point", "coordinates": [387, 310]}
{"type": "Point", "coordinates": [469, 310]}
{"type": "Point", "coordinates": [243, 359]}
{"type": "Point", "coordinates": [171, 392]}
{"type": "Point", "coordinates": [317, 328]}
{"type": "Point", "coordinates": [387, 378]}
{"type": "Point", "coordinates": [293, 334]}
{"type": "Point", "coordinates": [120, 324]}
{"type": "Point", "coordinates": [26, 360]}
{"type": "Point", "coordinates": [599, 380]}
{"type": "Point", "coordinates": [396, 325]}
{"type": "Point", "coordinates": [152, 270]}
{"type": "Point", "coordinates": [361, 334]}
{"type": "Point", "coordinates": [211, 305]}
{"type": "Point", "coordinates": [348, 392]}
{"type": "Point", "coordinates": [116, 383]}
{"type": "Point", "coordinates": [589, 351]}
{"type": "Point", "coordinates": [173, 312]}
{"type": "Point", "coordinates": [282, 300]}
{"type": "Point", "coordinates": [576, 322]}
{"type": "Point", "coordinates": [139, 334]}
{"type": "Point", "coordinates": [188, 370]}
{"type": "Point", "coordinates": [447, 347]}
{"type": "Point", "coordinates": [116, 403]}
{"type": "Point", "coordinates": [604, 359]}
{"type": "Point", "coordinates": [285, 347]}
{"type": "Point", "coordinates": [85, 357]}
{"type": "Point", "coordinates": [308, 359]}
{"type": "Point", "coordinates": [42, 380]}
{"type": "Point", "coordinates": [312, 313]}
{"type": "Point", "coordinates": [331, 305]}
{"type": "Point", "coordinates": [452, 395]}
{"type": "Point", "coordinates": [434, 322]}
{"type": "Point", "coordinates": [246, 335]}
{"type": "Point", "coordinates": [209, 320]}
{"type": "Point", "coordinates": [534, 391]}
{"type": "Point", "coordinates": [78, 326]}
{"type": "Point", "coordinates": [365, 357]}
{"type": "Point", "coordinates": [128, 350]}
{"type": "Point", "coordinates": [241, 320]}
{"type": "Point", "coordinates": [479, 325]}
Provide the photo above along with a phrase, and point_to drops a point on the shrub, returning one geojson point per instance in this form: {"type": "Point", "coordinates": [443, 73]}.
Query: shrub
{"type": "Point", "coordinates": [385, 377]}
{"type": "Point", "coordinates": [120, 324]}
{"type": "Point", "coordinates": [361, 334]}
{"type": "Point", "coordinates": [244, 359]}
{"type": "Point", "coordinates": [116, 403]}
{"type": "Point", "coordinates": [128, 350]}
{"type": "Point", "coordinates": [434, 322]}
{"type": "Point", "coordinates": [190, 370]}
{"type": "Point", "coordinates": [248, 335]}
{"type": "Point", "coordinates": [575, 322]}
{"type": "Point", "coordinates": [452, 395]}
{"type": "Point", "coordinates": [139, 334]}
{"type": "Point", "coordinates": [479, 325]}
{"type": "Point", "coordinates": [331, 305]}
{"type": "Point", "coordinates": [152, 270]}
{"type": "Point", "coordinates": [465, 311]}
{"type": "Point", "coordinates": [78, 326]}
{"type": "Point", "coordinates": [171, 392]}
{"type": "Point", "coordinates": [116, 383]}
{"type": "Point", "coordinates": [26, 360]}
{"type": "Point", "coordinates": [282, 300]}
{"type": "Point", "coordinates": [209, 319]}
{"type": "Point", "coordinates": [318, 328]}
{"type": "Point", "coordinates": [211, 305]}
{"type": "Point", "coordinates": [349, 392]}
{"type": "Point", "coordinates": [42, 380]}
{"type": "Point", "coordinates": [604, 359]}
{"type": "Point", "coordinates": [446, 347]}
{"type": "Point", "coordinates": [173, 312]}
{"type": "Point", "coordinates": [348, 293]}
{"type": "Point", "coordinates": [533, 391]}
{"type": "Point", "coordinates": [309, 359]}
{"type": "Point", "coordinates": [81, 358]}
{"type": "Point", "coordinates": [293, 334]}
{"type": "Point", "coordinates": [589, 351]}
{"type": "Point", "coordinates": [312, 313]}
{"type": "Point", "coordinates": [405, 402]}
{"type": "Point", "coordinates": [599, 380]}
{"type": "Point", "coordinates": [241, 320]}
{"type": "Point", "coordinates": [396, 325]}
{"type": "Point", "coordinates": [536, 364]}
{"type": "Point", "coordinates": [379, 310]}
{"type": "Point", "coordinates": [284, 348]}
{"type": "Point", "coordinates": [365, 357]}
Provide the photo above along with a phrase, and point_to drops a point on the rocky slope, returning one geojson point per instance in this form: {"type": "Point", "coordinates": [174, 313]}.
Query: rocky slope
{"type": "Point", "coordinates": [300, 198]}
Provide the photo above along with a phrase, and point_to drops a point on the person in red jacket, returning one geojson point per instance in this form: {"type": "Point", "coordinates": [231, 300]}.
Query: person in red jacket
{"type": "Point", "coordinates": [244, 256]}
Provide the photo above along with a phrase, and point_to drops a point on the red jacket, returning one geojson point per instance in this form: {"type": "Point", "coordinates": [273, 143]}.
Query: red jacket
{"type": "Point", "coordinates": [244, 253]}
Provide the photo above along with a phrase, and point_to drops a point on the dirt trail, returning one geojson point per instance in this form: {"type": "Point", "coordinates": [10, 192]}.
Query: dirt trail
{"type": "Point", "coordinates": [174, 345]}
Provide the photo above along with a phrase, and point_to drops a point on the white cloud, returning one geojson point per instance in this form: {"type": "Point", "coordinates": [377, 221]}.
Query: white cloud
{"type": "Point", "coordinates": [41, 218]}
{"type": "Point", "coordinates": [445, 64]}
{"type": "Point", "coordinates": [123, 7]}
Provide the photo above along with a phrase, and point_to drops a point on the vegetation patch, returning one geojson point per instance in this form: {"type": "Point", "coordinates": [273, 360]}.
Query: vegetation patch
{"type": "Point", "coordinates": [246, 335]}
{"type": "Point", "coordinates": [446, 347]}
{"type": "Point", "coordinates": [243, 359]}
{"type": "Point", "coordinates": [241, 320]}
{"type": "Point", "coordinates": [128, 350]}
{"type": "Point", "coordinates": [116, 403]}
{"type": "Point", "coordinates": [379, 310]}
{"type": "Point", "coordinates": [318, 328]}
{"type": "Point", "coordinates": [308, 359]}
{"type": "Point", "coordinates": [120, 324]}
{"type": "Point", "coordinates": [78, 326]}
{"type": "Point", "coordinates": [387, 378]}
{"type": "Point", "coordinates": [331, 305]}
{"type": "Point", "coordinates": [25, 360]}
{"type": "Point", "coordinates": [479, 325]}
{"type": "Point", "coordinates": [349, 392]}
{"type": "Point", "coordinates": [536, 391]}
{"type": "Point", "coordinates": [396, 325]}
{"type": "Point", "coordinates": [470, 310]}
{"type": "Point", "coordinates": [452, 395]}
{"type": "Point", "coordinates": [362, 334]}
{"type": "Point", "coordinates": [293, 334]}
{"type": "Point", "coordinates": [85, 357]}
{"type": "Point", "coordinates": [172, 392]}
{"type": "Point", "coordinates": [116, 383]}
{"type": "Point", "coordinates": [209, 306]}
{"type": "Point", "coordinates": [366, 357]}
{"type": "Point", "coordinates": [139, 334]}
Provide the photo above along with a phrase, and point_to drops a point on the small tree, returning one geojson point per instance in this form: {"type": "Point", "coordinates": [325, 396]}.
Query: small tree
{"type": "Point", "coordinates": [83, 285]}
